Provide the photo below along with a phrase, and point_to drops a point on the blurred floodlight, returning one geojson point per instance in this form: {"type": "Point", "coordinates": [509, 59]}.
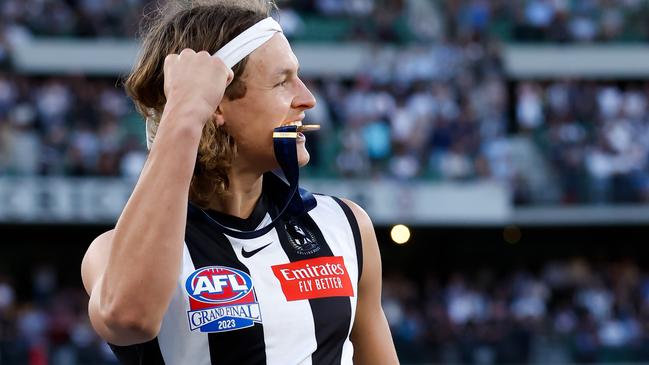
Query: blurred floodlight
{"type": "Point", "coordinates": [400, 234]}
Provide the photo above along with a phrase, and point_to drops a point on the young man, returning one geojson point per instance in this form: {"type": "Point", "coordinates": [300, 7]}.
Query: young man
{"type": "Point", "coordinates": [230, 278]}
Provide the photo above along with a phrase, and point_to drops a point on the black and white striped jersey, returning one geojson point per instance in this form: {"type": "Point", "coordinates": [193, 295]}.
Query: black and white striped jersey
{"type": "Point", "coordinates": [284, 297]}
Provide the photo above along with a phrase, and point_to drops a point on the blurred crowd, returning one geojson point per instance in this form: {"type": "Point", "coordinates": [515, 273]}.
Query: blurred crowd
{"type": "Point", "coordinates": [382, 20]}
{"type": "Point", "coordinates": [441, 109]}
{"type": "Point", "coordinates": [567, 311]}
{"type": "Point", "coordinates": [556, 21]}
{"type": "Point", "coordinates": [70, 18]}
{"type": "Point", "coordinates": [48, 325]}
{"type": "Point", "coordinates": [447, 123]}
{"type": "Point", "coordinates": [440, 114]}
{"type": "Point", "coordinates": [436, 112]}
{"type": "Point", "coordinates": [67, 126]}
{"type": "Point", "coordinates": [594, 135]}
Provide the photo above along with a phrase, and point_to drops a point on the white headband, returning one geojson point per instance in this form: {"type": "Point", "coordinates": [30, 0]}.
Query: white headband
{"type": "Point", "coordinates": [248, 41]}
{"type": "Point", "coordinates": [234, 51]}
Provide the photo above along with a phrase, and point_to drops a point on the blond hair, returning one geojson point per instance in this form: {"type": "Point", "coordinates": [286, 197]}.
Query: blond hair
{"type": "Point", "coordinates": [200, 25]}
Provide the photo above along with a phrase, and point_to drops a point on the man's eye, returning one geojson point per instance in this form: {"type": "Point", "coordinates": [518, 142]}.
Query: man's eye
{"type": "Point", "coordinates": [283, 83]}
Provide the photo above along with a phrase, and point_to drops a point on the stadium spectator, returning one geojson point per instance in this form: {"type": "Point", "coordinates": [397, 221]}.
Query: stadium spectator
{"type": "Point", "coordinates": [437, 120]}
{"type": "Point", "coordinates": [595, 134]}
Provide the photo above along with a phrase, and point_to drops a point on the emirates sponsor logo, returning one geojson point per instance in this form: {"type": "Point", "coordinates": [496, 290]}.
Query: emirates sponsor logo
{"type": "Point", "coordinates": [314, 278]}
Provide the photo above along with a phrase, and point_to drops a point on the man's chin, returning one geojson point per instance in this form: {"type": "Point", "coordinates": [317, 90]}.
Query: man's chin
{"type": "Point", "coordinates": [303, 158]}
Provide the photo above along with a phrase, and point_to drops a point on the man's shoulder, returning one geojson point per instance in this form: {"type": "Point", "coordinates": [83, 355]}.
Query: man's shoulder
{"type": "Point", "coordinates": [349, 206]}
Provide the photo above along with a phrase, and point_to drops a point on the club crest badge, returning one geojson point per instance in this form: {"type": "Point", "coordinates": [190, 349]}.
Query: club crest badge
{"type": "Point", "coordinates": [302, 240]}
{"type": "Point", "coordinates": [221, 299]}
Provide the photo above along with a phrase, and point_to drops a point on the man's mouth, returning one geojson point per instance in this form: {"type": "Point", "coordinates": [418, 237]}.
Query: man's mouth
{"type": "Point", "coordinates": [302, 128]}
{"type": "Point", "coordinates": [296, 123]}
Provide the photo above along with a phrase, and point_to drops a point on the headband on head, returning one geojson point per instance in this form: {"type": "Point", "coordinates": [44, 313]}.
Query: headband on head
{"type": "Point", "coordinates": [233, 52]}
{"type": "Point", "coordinates": [251, 39]}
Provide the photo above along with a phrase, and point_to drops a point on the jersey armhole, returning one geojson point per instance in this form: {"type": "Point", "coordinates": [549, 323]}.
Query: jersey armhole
{"type": "Point", "coordinates": [353, 223]}
{"type": "Point", "coordinates": [140, 353]}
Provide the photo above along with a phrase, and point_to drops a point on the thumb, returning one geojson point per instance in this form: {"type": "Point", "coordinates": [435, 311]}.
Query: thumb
{"type": "Point", "coordinates": [228, 81]}
{"type": "Point", "coordinates": [217, 116]}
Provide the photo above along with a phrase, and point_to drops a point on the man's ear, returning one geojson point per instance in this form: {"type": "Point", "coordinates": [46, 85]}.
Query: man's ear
{"type": "Point", "coordinates": [218, 116]}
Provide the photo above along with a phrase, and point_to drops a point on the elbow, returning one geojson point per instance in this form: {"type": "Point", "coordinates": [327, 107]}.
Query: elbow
{"type": "Point", "coordinates": [129, 326]}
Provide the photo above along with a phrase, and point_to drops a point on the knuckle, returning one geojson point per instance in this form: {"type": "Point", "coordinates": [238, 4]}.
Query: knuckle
{"type": "Point", "coordinates": [186, 51]}
{"type": "Point", "coordinates": [223, 66]}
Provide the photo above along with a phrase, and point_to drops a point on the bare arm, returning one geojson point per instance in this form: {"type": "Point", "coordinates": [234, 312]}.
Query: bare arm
{"type": "Point", "coordinates": [370, 334]}
{"type": "Point", "coordinates": [130, 273]}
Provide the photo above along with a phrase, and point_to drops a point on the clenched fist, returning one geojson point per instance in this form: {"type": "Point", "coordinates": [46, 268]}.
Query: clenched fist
{"type": "Point", "coordinates": [194, 82]}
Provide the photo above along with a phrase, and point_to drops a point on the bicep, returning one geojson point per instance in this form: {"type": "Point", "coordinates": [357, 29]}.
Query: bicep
{"type": "Point", "coordinates": [105, 322]}
{"type": "Point", "coordinates": [93, 266]}
{"type": "Point", "coordinates": [370, 334]}
{"type": "Point", "coordinates": [95, 260]}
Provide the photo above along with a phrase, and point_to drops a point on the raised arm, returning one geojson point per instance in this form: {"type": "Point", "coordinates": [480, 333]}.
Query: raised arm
{"type": "Point", "coordinates": [370, 334]}
{"type": "Point", "coordinates": [130, 272]}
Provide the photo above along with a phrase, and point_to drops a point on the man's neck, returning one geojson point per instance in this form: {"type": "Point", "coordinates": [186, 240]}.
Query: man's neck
{"type": "Point", "coordinates": [241, 197]}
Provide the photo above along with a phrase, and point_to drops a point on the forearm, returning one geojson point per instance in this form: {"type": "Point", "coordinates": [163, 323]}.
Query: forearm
{"type": "Point", "coordinates": [146, 250]}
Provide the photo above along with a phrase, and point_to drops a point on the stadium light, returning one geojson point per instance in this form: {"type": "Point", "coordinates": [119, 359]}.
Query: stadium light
{"type": "Point", "coordinates": [400, 234]}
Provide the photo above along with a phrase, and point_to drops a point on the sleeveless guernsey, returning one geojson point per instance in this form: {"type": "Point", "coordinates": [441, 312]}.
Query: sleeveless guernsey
{"type": "Point", "coordinates": [284, 297]}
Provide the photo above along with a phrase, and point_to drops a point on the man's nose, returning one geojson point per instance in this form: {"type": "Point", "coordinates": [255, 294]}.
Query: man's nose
{"type": "Point", "coordinates": [304, 98]}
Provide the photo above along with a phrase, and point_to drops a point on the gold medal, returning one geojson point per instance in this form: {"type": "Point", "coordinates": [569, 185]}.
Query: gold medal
{"type": "Point", "coordinates": [308, 128]}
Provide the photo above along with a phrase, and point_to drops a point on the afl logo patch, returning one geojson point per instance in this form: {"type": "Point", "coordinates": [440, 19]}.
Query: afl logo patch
{"type": "Point", "coordinates": [302, 240]}
{"type": "Point", "coordinates": [221, 299]}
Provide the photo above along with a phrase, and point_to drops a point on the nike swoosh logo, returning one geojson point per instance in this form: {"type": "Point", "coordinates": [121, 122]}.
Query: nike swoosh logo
{"type": "Point", "coordinates": [249, 254]}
